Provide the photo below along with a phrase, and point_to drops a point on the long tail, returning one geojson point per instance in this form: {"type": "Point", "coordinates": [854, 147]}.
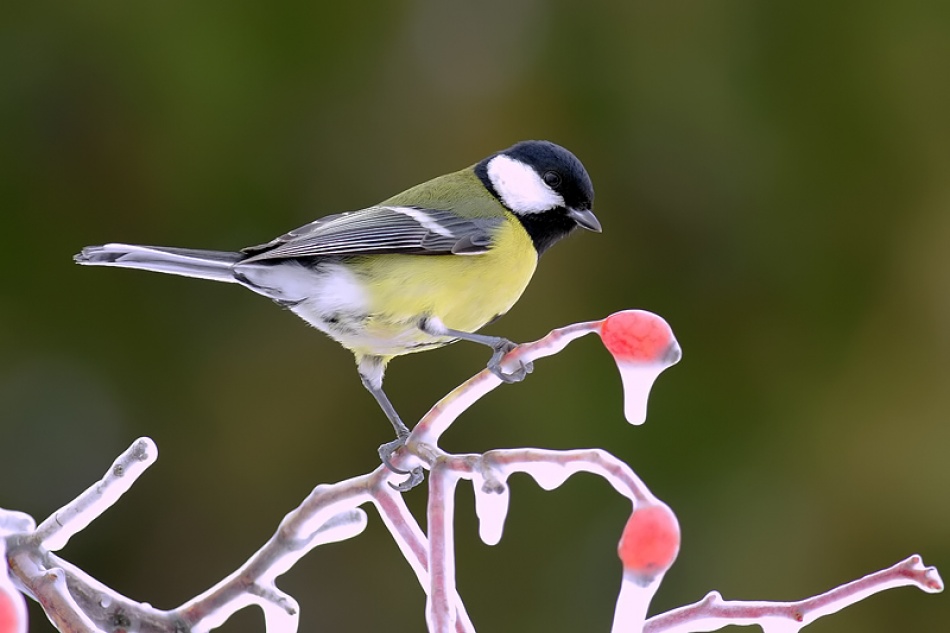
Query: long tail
{"type": "Point", "coordinates": [214, 265]}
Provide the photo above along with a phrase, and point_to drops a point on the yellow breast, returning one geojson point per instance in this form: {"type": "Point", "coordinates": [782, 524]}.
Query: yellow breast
{"type": "Point", "coordinates": [464, 291]}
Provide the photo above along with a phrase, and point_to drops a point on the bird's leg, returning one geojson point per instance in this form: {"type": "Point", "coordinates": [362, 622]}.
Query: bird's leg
{"type": "Point", "coordinates": [500, 345]}
{"type": "Point", "coordinates": [371, 373]}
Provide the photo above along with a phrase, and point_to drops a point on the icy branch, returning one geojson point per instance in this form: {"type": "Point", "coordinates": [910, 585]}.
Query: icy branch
{"type": "Point", "coordinates": [713, 613]}
{"type": "Point", "coordinates": [75, 516]}
{"type": "Point", "coordinates": [642, 345]}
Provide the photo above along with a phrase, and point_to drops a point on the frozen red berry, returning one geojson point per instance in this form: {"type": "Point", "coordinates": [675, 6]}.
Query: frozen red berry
{"type": "Point", "coordinates": [650, 541]}
{"type": "Point", "coordinates": [10, 613]}
{"type": "Point", "coordinates": [636, 335]}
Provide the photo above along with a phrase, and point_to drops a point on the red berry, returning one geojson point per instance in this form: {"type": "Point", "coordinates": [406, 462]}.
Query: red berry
{"type": "Point", "coordinates": [636, 335]}
{"type": "Point", "coordinates": [9, 614]}
{"type": "Point", "coordinates": [650, 541]}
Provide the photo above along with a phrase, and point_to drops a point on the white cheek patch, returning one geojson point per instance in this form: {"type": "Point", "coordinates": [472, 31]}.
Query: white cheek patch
{"type": "Point", "coordinates": [520, 187]}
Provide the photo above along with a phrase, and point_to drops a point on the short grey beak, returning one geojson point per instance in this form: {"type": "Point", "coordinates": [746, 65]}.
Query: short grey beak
{"type": "Point", "coordinates": [585, 218]}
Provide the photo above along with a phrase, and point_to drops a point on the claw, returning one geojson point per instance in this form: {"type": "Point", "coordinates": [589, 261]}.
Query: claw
{"type": "Point", "coordinates": [386, 452]}
{"type": "Point", "coordinates": [415, 476]}
{"type": "Point", "coordinates": [502, 347]}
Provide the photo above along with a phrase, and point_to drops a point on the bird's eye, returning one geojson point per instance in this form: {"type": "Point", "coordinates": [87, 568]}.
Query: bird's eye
{"type": "Point", "coordinates": [552, 179]}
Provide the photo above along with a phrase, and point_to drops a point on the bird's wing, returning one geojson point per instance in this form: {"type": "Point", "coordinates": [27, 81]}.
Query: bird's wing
{"type": "Point", "coordinates": [382, 230]}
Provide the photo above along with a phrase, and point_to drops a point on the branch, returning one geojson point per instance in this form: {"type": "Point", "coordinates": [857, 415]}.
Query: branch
{"type": "Point", "coordinates": [713, 613]}
{"type": "Point", "coordinates": [641, 343]}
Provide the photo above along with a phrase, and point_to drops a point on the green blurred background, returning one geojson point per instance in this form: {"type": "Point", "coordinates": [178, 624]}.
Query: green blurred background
{"type": "Point", "coordinates": [772, 179]}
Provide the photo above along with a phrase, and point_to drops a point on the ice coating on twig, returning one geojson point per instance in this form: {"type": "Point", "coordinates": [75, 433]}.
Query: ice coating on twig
{"type": "Point", "coordinates": [438, 420]}
{"type": "Point", "coordinates": [713, 613]}
{"type": "Point", "coordinates": [641, 342]}
{"type": "Point", "coordinates": [215, 617]}
{"type": "Point", "coordinates": [412, 543]}
{"type": "Point", "coordinates": [550, 475]}
{"type": "Point", "coordinates": [637, 381]}
{"type": "Point", "coordinates": [491, 508]}
{"type": "Point", "coordinates": [254, 583]}
{"type": "Point", "coordinates": [56, 531]}
{"type": "Point", "coordinates": [13, 522]}
{"type": "Point", "coordinates": [633, 601]}
{"type": "Point", "coordinates": [339, 527]}
{"type": "Point", "coordinates": [280, 617]}
{"type": "Point", "coordinates": [440, 607]}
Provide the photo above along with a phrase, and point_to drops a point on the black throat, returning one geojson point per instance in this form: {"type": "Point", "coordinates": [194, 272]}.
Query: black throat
{"type": "Point", "coordinates": [545, 229]}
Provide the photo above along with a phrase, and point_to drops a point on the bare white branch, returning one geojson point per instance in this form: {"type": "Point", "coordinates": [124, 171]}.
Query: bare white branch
{"type": "Point", "coordinates": [642, 345]}
{"type": "Point", "coordinates": [72, 518]}
{"type": "Point", "coordinates": [713, 613]}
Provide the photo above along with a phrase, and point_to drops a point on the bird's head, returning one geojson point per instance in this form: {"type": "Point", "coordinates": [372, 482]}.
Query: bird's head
{"type": "Point", "coordinates": [545, 186]}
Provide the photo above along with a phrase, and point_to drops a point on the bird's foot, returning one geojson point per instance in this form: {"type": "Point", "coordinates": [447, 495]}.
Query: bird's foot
{"type": "Point", "coordinates": [502, 346]}
{"type": "Point", "coordinates": [415, 475]}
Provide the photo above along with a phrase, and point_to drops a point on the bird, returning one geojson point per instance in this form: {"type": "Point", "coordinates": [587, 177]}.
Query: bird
{"type": "Point", "coordinates": [425, 268]}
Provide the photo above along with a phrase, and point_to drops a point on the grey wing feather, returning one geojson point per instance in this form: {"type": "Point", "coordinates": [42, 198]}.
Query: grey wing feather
{"type": "Point", "coordinates": [382, 230]}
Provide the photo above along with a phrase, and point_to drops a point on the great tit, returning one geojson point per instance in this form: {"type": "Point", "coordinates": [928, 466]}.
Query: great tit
{"type": "Point", "coordinates": [425, 268]}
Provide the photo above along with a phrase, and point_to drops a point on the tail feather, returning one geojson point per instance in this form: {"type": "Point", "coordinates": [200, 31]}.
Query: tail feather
{"type": "Point", "coordinates": [213, 265]}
